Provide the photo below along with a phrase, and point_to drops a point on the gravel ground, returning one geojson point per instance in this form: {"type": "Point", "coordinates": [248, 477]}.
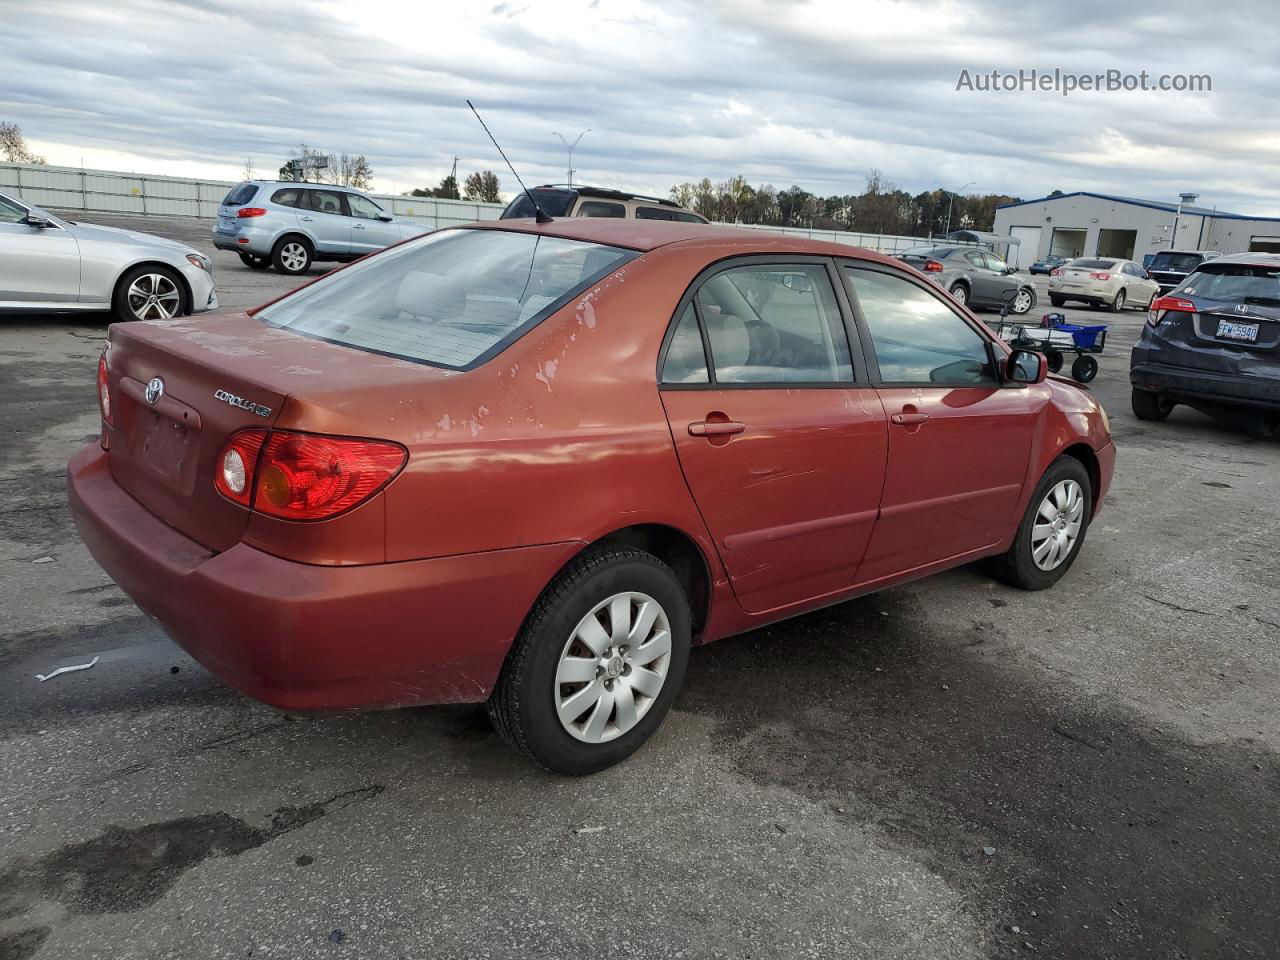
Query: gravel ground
{"type": "Point", "coordinates": [950, 769]}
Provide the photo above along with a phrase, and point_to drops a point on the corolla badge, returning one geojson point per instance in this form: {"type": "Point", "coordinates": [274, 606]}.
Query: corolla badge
{"type": "Point", "coordinates": [242, 403]}
{"type": "Point", "coordinates": [154, 391]}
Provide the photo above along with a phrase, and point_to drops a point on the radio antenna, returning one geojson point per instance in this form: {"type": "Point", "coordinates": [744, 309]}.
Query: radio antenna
{"type": "Point", "coordinates": [540, 215]}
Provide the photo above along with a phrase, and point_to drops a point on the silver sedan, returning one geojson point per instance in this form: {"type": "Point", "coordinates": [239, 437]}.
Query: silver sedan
{"type": "Point", "coordinates": [52, 265]}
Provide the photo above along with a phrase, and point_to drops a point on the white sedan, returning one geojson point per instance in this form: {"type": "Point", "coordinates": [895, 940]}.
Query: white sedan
{"type": "Point", "coordinates": [1102, 282]}
{"type": "Point", "coordinates": [52, 265]}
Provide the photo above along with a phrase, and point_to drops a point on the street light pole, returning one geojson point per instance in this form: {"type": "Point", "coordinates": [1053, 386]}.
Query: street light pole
{"type": "Point", "coordinates": [569, 146]}
{"type": "Point", "coordinates": [952, 203]}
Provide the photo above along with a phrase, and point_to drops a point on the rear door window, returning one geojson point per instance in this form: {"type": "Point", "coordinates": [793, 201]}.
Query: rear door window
{"type": "Point", "coordinates": [326, 201]}
{"type": "Point", "coordinates": [917, 337]}
{"type": "Point", "coordinates": [451, 299]}
{"type": "Point", "coordinates": [601, 208]}
{"type": "Point", "coordinates": [240, 195]}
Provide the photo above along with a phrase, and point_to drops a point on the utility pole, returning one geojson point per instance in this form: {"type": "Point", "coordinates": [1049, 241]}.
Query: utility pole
{"type": "Point", "coordinates": [569, 146]}
{"type": "Point", "coordinates": [1187, 198]}
{"type": "Point", "coordinates": [951, 203]}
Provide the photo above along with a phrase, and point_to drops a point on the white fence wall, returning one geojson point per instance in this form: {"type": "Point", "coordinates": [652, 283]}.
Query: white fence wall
{"type": "Point", "coordinates": [107, 191]}
{"type": "Point", "coordinates": [880, 242]}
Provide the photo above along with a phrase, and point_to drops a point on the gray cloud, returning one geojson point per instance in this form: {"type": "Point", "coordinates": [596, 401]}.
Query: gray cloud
{"type": "Point", "coordinates": [785, 92]}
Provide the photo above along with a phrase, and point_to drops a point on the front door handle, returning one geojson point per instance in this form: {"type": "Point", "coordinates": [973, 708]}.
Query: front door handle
{"type": "Point", "coordinates": [715, 428]}
{"type": "Point", "coordinates": [357, 226]}
{"type": "Point", "coordinates": [906, 418]}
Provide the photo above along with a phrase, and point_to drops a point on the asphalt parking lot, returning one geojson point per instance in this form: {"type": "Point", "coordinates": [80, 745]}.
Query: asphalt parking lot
{"type": "Point", "coordinates": [950, 769]}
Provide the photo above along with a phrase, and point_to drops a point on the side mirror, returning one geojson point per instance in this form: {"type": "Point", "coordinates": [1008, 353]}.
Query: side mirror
{"type": "Point", "coordinates": [1026, 366]}
{"type": "Point", "coordinates": [37, 221]}
{"type": "Point", "coordinates": [385, 217]}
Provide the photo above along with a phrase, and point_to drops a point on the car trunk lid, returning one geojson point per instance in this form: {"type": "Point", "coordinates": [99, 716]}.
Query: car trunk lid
{"type": "Point", "coordinates": [1221, 337]}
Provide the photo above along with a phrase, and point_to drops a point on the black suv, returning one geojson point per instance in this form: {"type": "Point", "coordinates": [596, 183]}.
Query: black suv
{"type": "Point", "coordinates": [1170, 267]}
{"type": "Point", "coordinates": [1214, 344]}
{"type": "Point", "coordinates": [561, 200]}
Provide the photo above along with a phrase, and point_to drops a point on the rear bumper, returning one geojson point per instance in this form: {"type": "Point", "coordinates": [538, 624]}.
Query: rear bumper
{"type": "Point", "coordinates": [304, 637]}
{"type": "Point", "coordinates": [1190, 384]}
{"type": "Point", "coordinates": [244, 240]}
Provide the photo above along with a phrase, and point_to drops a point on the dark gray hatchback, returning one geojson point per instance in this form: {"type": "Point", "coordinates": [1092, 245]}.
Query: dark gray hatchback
{"type": "Point", "coordinates": [1214, 343]}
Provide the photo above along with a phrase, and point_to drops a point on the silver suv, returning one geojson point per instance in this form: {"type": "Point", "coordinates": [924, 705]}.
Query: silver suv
{"type": "Point", "coordinates": [290, 225]}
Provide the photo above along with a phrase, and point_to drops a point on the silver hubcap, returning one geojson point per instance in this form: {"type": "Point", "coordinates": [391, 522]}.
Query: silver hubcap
{"type": "Point", "coordinates": [293, 256]}
{"type": "Point", "coordinates": [1022, 302]}
{"type": "Point", "coordinates": [1120, 300]}
{"type": "Point", "coordinates": [1057, 525]}
{"type": "Point", "coordinates": [153, 296]}
{"type": "Point", "coordinates": [613, 667]}
{"type": "Point", "coordinates": [959, 294]}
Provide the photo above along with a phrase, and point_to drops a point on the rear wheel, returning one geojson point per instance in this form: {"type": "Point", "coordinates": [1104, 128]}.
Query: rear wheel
{"type": "Point", "coordinates": [1150, 406]}
{"type": "Point", "coordinates": [292, 255]}
{"type": "Point", "coordinates": [1118, 303]}
{"type": "Point", "coordinates": [1056, 300]}
{"type": "Point", "coordinates": [960, 292]}
{"type": "Point", "coordinates": [1022, 302]}
{"type": "Point", "coordinates": [1055, 360]}
{"type": "Point", "coordinates": [598, 663]}
{"type": "Point", "coordinates": [1052, 531]}
{"type": "Point", "coordinates": [255, 261]}
{"type": "Point", "coordinates": [149, 293]}
{"type": "Point", "coordinates": [1084, 369]}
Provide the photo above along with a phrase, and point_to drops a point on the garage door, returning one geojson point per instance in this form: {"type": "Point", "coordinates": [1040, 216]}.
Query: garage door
{"type": "Point", "coordinates": [1028, 250]}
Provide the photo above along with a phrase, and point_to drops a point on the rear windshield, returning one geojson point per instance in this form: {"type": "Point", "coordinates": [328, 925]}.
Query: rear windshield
{"type": "Point", "coordinates": [554, 203]}
{"type": "Point", "coordinates": [1234, 283]}
{"type": "Point", "coordinates": [240, 195]}
{"type": "Point", "coordinates": [1094, 264]}
{"type": "Point", "coordinates": [935, 253]}
{"type": "Point", "coordinates": [1177, 262]}
{"type": "Point", "coordinates": [451, 299]}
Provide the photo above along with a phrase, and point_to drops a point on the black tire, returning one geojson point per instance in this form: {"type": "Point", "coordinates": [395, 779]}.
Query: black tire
{"type": "Point", "coordinates": [1259, 424]}
{"type": "Point", "coordinates": [1016, 567]}
{"type": "Point", "coordinates": [255, 261]}
{"type": "Point", "coordinates": [1056, 300]}
{"type": "Point", "coordinates": [1117, 304]}
{"type": "Point", "coordinates": [522, 706]}
{"type": "Point", "coordinates": [1150, 406]}
{"type": "Point", "coordinates": [960, 292]}
{"type": "Point", "coordinates": [1055, 360]}
{"type": "Point", "coordinates": [127, 305]}
{"type": "Point", "coordinates": [293, 255]}
{"type": "Point", "coordinates": [1084, 368]}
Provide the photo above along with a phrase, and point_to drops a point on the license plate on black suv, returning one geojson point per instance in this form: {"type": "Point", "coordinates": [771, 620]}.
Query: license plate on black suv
{"type": "Point", "coordinates": [1234, 330]}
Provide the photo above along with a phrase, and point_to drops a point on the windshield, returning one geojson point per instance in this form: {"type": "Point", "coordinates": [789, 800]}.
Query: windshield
{"type": "Point", "coordinates": [450, 299]}
{"type": "Point", "coordinates": [1176, 262]}
{"type": "Point", "coordinates": [1234, 283]}
{"type": "Point", "coordinates": [554, 203]}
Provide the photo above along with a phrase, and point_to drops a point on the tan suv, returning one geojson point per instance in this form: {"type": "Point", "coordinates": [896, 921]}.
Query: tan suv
{"type": "Point", "coordinates": [561, 200]}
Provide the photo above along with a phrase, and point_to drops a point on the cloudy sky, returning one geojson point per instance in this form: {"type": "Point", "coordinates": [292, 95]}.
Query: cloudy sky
{"type": "Point", "coordinates": [783, 91]}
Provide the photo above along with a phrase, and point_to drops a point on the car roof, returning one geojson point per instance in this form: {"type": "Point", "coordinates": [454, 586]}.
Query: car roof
{"type": "Point", "coordinates": [646, 235]}
{"type": "Point", "coordinates": [305, 183]}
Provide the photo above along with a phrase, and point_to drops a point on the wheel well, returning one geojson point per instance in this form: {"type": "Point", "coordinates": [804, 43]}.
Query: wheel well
{"type": "Point", "coordinates": [679, 552]}
{"type": "Point", "coordinates": [188, 298]}
{"type": "Point", "coordinates": [1084, 453]}
{"type": "Point", "coordinates": [292, 236]}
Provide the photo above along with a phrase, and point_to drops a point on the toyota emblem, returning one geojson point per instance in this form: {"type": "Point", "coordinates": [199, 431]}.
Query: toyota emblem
{"type": "Point", "coordinates": [155, 390]}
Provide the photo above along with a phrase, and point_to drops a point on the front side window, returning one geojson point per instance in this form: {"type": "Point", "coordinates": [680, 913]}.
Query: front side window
{"type": "Point", "coordinates": [776, 323]}
{"type": "Point", "coordinates": [995, 263]}
{"type": "Point", "coordinates": [362, 207]}
{"type": "Point", "coordinates": [11, 212]}
{"type": "Point", "coordinates": [600, 208]}
{"type": "Point", "coordinates": [917, 337]}
{"type": "Point", "coordinates": [448, 298]}
{"type": "Point", "coordinates": [977, 259]}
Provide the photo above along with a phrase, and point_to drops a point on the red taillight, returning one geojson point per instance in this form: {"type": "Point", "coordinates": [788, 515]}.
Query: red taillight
{"type": "Point", "coordinates": [304, 476]}
{"type": "Point", "coordinates": [1056, 272]}
{"type": "Point", "coordinates": [1162, 304]}
{"type": "Point", "coordinates": [933, 266]}
{"type": "Point", "coordinates": [1099, 276]}
{"type": "Point", "coordinates": [233, 471]}
{"type": "Point", "coordinates": [245, 212]}
{"type": "Point", "coordinates": [104, 391]}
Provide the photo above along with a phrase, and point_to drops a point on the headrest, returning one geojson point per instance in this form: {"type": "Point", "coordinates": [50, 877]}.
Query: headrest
{"type": "Point", "coordinates": [431, 295]}
{"type": "Point", "coordinates": [730, 340]}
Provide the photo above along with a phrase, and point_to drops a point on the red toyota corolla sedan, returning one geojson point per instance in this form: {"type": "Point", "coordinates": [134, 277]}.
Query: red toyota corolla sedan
{"type": "Point", "coordinates": [531, 464]}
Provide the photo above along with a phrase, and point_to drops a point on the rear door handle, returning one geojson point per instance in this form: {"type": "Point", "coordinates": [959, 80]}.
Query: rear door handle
{"type": "Point", "coordinates": [306, 219]}
{"type": "Point", "coordinates": [715, 428]}
{"type": "Point", "coordinates": [357, 226]}
{"type": "Point", "coordinates": [905, 418]}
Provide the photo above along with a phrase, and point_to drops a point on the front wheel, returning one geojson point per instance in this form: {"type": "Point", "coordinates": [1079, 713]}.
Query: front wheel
{"type": "Point", "coordinates": [598, 663]}
{"type": "Point", "coordinates": [1056, 300]}
{"type": "Point", "coordinates": [961, 293]}
{"type": "Point", "coordinates": [1023, 302]}
{"type": "Point", "coordinates": [149, 293]}
{"type": "Point", "coordinates": [1052, 530]}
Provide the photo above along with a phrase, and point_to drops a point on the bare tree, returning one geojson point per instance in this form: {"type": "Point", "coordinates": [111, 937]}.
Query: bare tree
{"type": "Point", "coordinates": [247, 172]}
{"type": "Point", "coordinates": [13, 145]}
{"type": "Point", "coordinates": [351, 170]}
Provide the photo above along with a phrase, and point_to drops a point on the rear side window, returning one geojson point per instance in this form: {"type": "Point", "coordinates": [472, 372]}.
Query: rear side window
{"type": "Point", "coordinates": [774, 323]}
{"type": "Point", "coordinates": [286, 198]}
{"type": "Point", "coordinates": [600, 208]}
{"type": "Point", "coordinates": [449, 299]}
{"type": "Point", "coordinates": [684, 216]}
{"type": "Point", "coordinates": [917, 337]}
{"type": "Point", "coordinates": [1235, 283]}
{"type": "Point", "coordinates": [362, 207]}
{"type": "Point", "coordinates": [240, 195]}
{"type": "Point", "coordinates": [654, 213]}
